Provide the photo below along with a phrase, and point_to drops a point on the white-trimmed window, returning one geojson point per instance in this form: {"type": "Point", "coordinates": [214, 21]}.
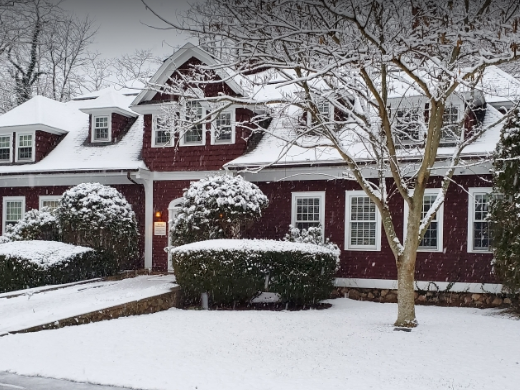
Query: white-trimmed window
{"type": "Point", "coordinates": [479, 234]}
{"type": "Point", "coordinates": [5, 148]}
{"type": "Point", "coordinates": [161, 131]}
{"type": "Point", "coordinates": [433, 237]}
{"type": "Point", "coordinates": [12, 211]}
{"type": "Point", "coordinates": [450, 123]}
{"type": "Point", "coordinates": [363, 222]}
{"type": "Point", "coordinates": [224, 128]}
{"type": "Point", "coordinates": [308, 210]}
{"type": "Point", "coordinates": [407, 126]}
{"type": "Point", "coordinates": [25, 147]}
{"type": "Point", "coordinates": [101, 128]}
{"type": "Point", "coordinates": [49, 201]}
{"type": "Point", "coordinates": [325, 110]}
{"type": "Point", "coordinates": [196, 134]}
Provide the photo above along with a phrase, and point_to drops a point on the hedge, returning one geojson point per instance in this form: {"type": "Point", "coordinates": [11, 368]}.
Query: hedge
{"type": "Point", "coordinates": [27, 264]}
{"type": "Point", "coordinates": [234, 271]}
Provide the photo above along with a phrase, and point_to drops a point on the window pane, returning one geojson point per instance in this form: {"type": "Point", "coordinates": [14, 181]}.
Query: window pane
{"type": "Point", "coordinates": [24, 153]}
{"type": "Point", "coordinates": [224, 129]}
{"type": "Point", "coordinates": [5, 142]}
{"type": "Point", "coordinates": [407, 123]}
{"type": "Point", "coordinates": [101, 128]}
{"type": "Point", "coordinates": [51, 204]}
{"type": "Point", "coordinates": [25, 140]}
{"type": "Point", "coordinates": [430, 239]}
{"type": "Point", "coordinates": [5, 148]}
{"type": "Point", "coordinates": [450, 118]}
{"type": "Point", "coordinates": [307, 212]}
{"type": "Point", "coordinates": [362, 221]}
{"type": "Point", "coordinates": [481, 232]}
{"type": "Point", "coordinates": [13, 211]}
{"type": "Point", "coordinates": [193, 113]}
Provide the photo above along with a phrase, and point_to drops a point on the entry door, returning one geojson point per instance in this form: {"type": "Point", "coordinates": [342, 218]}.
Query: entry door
{"type": "Point", "coordinates": [173, 209]}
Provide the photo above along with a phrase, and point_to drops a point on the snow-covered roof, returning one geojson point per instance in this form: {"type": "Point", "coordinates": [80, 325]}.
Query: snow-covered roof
{"type": "Point", "coordinates": [47, 114]}
{"type": "Point", "coordinates": [131, 88]}
{"type": "Point", "coordinates": [74, 153]}
{"type": "Point", "coordinates": [273, 149]}
{"type": "Point", "coordinates": [110, 100]}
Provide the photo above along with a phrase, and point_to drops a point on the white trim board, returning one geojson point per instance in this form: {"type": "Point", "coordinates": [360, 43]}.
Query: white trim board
{"type": "Point", "coordinates": [388, 284]}
{"type": "Point", "coordinates": [66, 179]}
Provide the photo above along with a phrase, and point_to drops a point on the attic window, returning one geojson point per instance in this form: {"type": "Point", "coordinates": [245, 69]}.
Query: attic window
{"type": "Point", "coordinates": [5, 148]}
{"type": "Point", "coordinates": [161, 131]}
{"type": "Point", "coordinates": [324, 110]}
{"type": "Point", "coordinates": [407, 124]}
{"type": "Point", "coordinates": [101, 129]}
{"type": "Point", "coordinates": [25, 146]}
{"type": "Point", "coordinates": [195, 135]}
{"type": "Point", "coordinates": [450, 123]}
{"type": "Point", "coordinates": [224, 128]}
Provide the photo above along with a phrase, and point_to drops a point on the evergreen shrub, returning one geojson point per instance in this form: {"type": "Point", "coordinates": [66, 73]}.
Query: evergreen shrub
{"type": "Point", "coordinates": [505, 205]}
{"type": "Point", "coordinates": [28, 264]}
{"type": "Point", "coordinates": [35, 225]}
{"type": "Point", "coordinates": [234, 271]}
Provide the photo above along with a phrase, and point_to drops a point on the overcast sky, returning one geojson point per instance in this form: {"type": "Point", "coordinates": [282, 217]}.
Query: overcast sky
{"type": "Point", "coordinates": [122, 26]}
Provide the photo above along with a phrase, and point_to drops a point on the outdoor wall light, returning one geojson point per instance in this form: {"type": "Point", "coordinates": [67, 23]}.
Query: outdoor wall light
{"type": "Point", "coordinates": [158, 214]}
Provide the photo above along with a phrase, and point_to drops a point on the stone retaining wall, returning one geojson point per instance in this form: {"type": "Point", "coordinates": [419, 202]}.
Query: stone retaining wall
{"type": "Point", "coordinates": [440, 298]}
{"type": "Point", "coordinates": [144, 306]}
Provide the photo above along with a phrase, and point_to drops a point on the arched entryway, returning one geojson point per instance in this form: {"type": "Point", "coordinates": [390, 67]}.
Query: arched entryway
{"type": "Point", "coordinates": [173, 209]}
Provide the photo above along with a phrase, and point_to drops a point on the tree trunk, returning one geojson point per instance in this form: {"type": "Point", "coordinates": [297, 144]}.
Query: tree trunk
{"type": "Point", "coordinates": [405, 290]}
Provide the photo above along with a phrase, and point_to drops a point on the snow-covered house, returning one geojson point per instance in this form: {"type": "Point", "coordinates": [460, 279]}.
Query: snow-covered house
{"type": "Point", "coordinates": [114, 137]}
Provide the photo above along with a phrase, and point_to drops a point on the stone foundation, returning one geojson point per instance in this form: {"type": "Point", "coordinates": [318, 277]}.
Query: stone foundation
{"type": "Point", "coordinates": [439, 298]}
{"type": "Point", "coordinates": [143, 306]}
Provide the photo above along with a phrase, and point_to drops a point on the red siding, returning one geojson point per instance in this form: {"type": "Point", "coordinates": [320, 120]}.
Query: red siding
{"type": "Point", "coordinates": [453, 264]}
{"type": "Point", "coordinates": [194, 158]}
{"type": "Point", "coordinates": [120, 125]}
{"type": "Point", "coordinates": [134, 194]}
{"type": "Point", "coordinates": [45, 143]}
{"type": "Point", "coordinates": [163, 193]}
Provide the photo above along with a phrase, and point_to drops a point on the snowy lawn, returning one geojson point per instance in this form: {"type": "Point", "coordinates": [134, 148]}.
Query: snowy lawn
{"type": "Point", "coordinates": [38, 306]}
{"type": "Point", "coordinates": [350, 346]}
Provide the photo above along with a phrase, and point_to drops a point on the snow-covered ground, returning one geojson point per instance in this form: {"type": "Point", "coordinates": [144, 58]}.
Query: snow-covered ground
{"type": "Point", "coordinates": [350, 346]}
{"type": "Point", "coordinates": [38, 306]}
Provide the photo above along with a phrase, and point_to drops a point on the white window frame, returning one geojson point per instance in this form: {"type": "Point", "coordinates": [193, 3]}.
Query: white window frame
{"type": "Point", "coordinates": [10, 136]}
{"type": "Point", "coordinates": [331, 111]}
{"type": "Point", "coordinates": [440, 223]}
{"type": "Point", "coordinates": [348, 204]}
{"type": "Point", "coordinates": [304, 195]}
{"type": "Point", "coordinates": [214, 140]}
{"type": "Point", "coordinates": [93, 130]}
{"type": "Point", "coordinates": [154, 129]}
{"type": "Point", "coordinates": [46, 198]}
{"type": "Point", "coordinates": [4, 208]}
{"type": "Point", "coordinates": [460, 113]}
{"type": "Point", "coordinates": [471, 216]}
{"type": "Point", "coordinates": [17, 147]}
{"type": "Point", "coordinates": [181, 136]}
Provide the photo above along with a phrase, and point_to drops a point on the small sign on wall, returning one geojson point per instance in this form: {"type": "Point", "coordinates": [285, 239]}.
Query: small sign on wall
{"type": "Point", "coordinates": [159, 228]}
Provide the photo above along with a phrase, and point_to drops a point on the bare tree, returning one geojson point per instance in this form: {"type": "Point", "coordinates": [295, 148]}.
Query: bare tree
{"type": "Point", "coordinates": [356, 56]}
{"type": "Point", "coordinates": [45, 48]}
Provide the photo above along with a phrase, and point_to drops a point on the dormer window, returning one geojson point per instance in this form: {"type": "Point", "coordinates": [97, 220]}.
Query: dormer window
{"type": "Point", "coordinates": [194, 135]}
{"type": "Point", "coordinates": [324, 111]}
{"type": "Point", "coordinates": [101, 129]}
{"type": "Point", "coordinates": [224, 128]}
{"type": "Point", "coordinates": [25, 147]}
{"type": "Point", "coordinates": [407, 124]}
{"type": "Point", "coordinates": [450, 123]}
{"type": "Point", "coordinates": [5, 148]}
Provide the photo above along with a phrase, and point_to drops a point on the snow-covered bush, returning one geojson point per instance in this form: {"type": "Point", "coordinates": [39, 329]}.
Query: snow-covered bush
{"type": "Point", "coordinates": [312, 235]}
{"type": "Point", "coordinates": [27, 264]}
{"type": "Point", "coordinates": [35, 225]}
{"type": "Point", "coordinates": [98, 216]}
{"type": "Point", "coordinates": [220, 206]}
{"type": "Point", "coordinates": [234, 271]}
{"type": "Point", "coordinates": [505, 205]}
